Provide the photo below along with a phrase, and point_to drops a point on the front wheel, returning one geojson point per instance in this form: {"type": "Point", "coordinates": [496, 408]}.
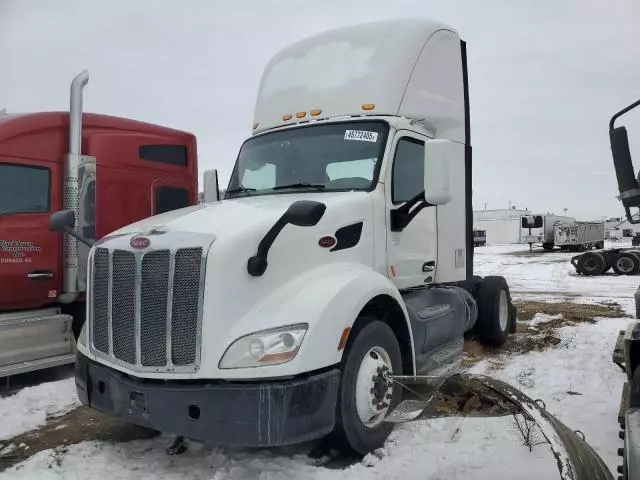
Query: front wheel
{"type": "Point", "coordinates": [367, 392]}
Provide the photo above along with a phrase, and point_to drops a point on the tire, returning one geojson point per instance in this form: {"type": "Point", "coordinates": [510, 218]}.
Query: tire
{"type": "Point", "coordinates": [351, 435]}
{"type": "Point", "coordinates": [494, 311]}
{"type": "Point", "coordinates": [626, 264]}
{"type": "Point", "coordinates": [591, 264]}
{"type": "Point", "coordinates": [547, 246]}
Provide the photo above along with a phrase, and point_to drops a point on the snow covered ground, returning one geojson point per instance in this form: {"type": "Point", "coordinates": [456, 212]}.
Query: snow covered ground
{"type": "Point", "coordinates": [576, 379]}
{"type": "Point", "coordinates": [30, 407]}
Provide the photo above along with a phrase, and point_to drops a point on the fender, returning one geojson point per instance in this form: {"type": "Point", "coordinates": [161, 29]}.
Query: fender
{"type": "Point", "coordinates": [329, 299]}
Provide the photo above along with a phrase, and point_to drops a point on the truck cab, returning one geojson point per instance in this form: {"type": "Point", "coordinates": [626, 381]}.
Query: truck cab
{"type": "Point", "coordinates": [339, 261]}
{"type": "Point", "coordinates": [124, 171]}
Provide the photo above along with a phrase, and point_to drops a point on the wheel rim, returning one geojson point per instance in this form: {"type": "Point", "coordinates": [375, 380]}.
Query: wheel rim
{"type": "Point", "coordinates": [590, 264]}
{"type": "Point", "coordinates": [374, 387]}
{"type": "Point", "coordinates": [625, 264]}
{"type": "Point", "coordinates": [503, 310]}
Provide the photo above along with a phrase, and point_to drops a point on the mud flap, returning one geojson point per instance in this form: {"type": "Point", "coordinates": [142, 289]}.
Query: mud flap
{"type": "Point", "coordinates": [575, 458]}
{"type": "Point", "coordinates": [513, 317]}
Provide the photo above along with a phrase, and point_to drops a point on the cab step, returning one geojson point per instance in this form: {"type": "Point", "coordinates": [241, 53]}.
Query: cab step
{"type": "Point", "coordinates": [624, 404]}
{"type": "Point", "coordinates": [618, 351]}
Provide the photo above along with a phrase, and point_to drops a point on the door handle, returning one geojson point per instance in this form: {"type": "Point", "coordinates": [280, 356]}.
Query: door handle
{"type": "Point", "coordinates": [40, 275]}
{"type": "Point", "coordinates": [429, 266]}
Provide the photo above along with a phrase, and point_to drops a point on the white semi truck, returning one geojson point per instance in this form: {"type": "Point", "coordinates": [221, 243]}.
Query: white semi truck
{"type": "Point", "coordinates": [340, 260]}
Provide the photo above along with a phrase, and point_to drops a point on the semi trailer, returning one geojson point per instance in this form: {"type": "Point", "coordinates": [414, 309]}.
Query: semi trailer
{"type": "Point", "coordinates": [550, 231]}
{"type": "Point", "coordinates": [109, 172]}
{"type": "Point", "coordinates": [579, 236]}
{"type": "Point", "coordinates": [339, 261]}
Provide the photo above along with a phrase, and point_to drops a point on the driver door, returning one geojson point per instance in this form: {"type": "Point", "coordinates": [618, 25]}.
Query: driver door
{"type": "Point", "coordinates": [412, 253]}
{"type": "Point", "coordinates": [29, 252]}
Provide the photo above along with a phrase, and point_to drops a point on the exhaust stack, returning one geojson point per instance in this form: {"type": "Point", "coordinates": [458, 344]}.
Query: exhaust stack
{"type": "Point", "coordinates": [71, 193]}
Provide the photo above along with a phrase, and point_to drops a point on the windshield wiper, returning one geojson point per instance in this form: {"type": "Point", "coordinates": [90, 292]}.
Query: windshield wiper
{"type": "Point", "coordinates": [317, 186]}
{"type": "Point", "coordinates": [241, 189]}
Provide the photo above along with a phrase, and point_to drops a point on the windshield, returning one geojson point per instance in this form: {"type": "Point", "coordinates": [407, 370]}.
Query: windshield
{"type": "Point", "coordinates": [333, 157]}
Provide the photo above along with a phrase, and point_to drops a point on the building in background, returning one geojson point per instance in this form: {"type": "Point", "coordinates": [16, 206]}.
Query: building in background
{"type": "Point", "coordinates": [502, 226]}
{"type": "Point", "coordinates": [620, 227]}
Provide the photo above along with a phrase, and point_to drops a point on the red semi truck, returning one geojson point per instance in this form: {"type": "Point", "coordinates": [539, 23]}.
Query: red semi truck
{"type": "Point", "coordinates": [111, 172]}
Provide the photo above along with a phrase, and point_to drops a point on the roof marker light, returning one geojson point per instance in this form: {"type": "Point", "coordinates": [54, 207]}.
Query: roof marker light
{"type": "Point", "coordinates": [368, 106]}
{"type": "Point", "coordinates": [255, 125]}
{"type": "Point", "coordinates": [301, 114]}
{"type": "Point", "coordinates": [287, 117]}
{"type": "Point", "coordinates": [315, 113]}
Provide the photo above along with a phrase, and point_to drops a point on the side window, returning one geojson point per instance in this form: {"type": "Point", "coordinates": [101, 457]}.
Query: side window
{"type": "Point", "coordinates": [88, 221]}
{"type": "Point", "coordinates": [24, 189]}
{"type": "Point", "coordinates": [408, 170]}
{"type": "Point", "coordinates": [170, 198]}
{"type": "Point", "coordinates": [169, 154]}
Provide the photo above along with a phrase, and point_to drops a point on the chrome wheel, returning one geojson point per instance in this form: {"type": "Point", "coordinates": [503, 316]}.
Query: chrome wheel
{"type": "Point", "coordinates": [503, 310]}
{"type": "Point", "coordinates": [374, 387]}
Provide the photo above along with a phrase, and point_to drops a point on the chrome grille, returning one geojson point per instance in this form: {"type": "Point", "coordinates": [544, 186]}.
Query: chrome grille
{"type": "Point", "coordinates": [100, 327]}
{"type": "Point", "coordinates": [123, 306]}
{"type": "Point", "coordinates": [184, 310]}
{"type": "Point", "coordinates": [145, 307]}
{"type": "Point", "coordinates": [154, 296]}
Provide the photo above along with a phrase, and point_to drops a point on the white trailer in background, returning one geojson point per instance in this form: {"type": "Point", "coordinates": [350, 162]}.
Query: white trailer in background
{"type": "Point", "coordinates": [541, 230]}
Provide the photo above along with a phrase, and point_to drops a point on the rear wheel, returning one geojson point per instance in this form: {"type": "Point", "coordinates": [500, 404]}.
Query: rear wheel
{"type": "Point", "coordinates": [626, 264]}
{"type": "Point", "coordinates": [600, 245]}
{"type": "Point", "coordinates": [591, 263]}
{"type": "Point", "coordinates": [547, 246]}
{"type": "Point", "coordinates": [494, 311]}
{"type": "Point", "coordinates": [366, 392]}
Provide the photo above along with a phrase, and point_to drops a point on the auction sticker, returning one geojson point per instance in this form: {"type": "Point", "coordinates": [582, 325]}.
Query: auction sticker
{"type": "Point", "coordinates": [361, 135]}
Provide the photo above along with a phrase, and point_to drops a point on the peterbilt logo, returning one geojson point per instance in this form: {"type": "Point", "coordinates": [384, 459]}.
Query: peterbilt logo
{"type": "Point", "coordinates": [139, 242]}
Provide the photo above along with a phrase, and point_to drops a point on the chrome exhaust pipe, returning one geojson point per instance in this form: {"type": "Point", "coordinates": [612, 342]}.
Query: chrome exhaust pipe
{"type": "Point", "coordinates": [75, 112]}
{"type": "Point", "coordinates": [71, 192]}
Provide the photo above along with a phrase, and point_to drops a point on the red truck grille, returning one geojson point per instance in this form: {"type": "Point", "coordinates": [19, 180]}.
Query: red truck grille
{"type": "Point", "coordinates": [145, 308]}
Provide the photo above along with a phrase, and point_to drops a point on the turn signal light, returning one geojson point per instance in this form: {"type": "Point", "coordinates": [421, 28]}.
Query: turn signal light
{"type": "Point", "coordinates": [344, 338]}
{"type": "Point", "coordinates": [286, 117]}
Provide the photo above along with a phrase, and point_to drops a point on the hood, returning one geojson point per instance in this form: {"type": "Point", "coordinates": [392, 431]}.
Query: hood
{"type": "Point", "coordinates": [239, 216]}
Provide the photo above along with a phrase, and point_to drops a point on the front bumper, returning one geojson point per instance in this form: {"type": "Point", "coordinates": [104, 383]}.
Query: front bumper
{"type": "Point", "coordinates": [251, 414]}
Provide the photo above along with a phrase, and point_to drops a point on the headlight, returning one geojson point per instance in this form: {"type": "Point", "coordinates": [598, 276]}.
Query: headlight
{"type": "Point", "coordinates": [268, 347]}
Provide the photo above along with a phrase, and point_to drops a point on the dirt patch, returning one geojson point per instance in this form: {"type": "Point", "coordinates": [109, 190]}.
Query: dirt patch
{"type": "Point", "coordinates": [571, 312]}
{"type": "Point", "coordinates": [543, 335]}
{"type": "Point", "coordinates": [466, 398]}
{"type": "Point", "coordinates": [79, 425]}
